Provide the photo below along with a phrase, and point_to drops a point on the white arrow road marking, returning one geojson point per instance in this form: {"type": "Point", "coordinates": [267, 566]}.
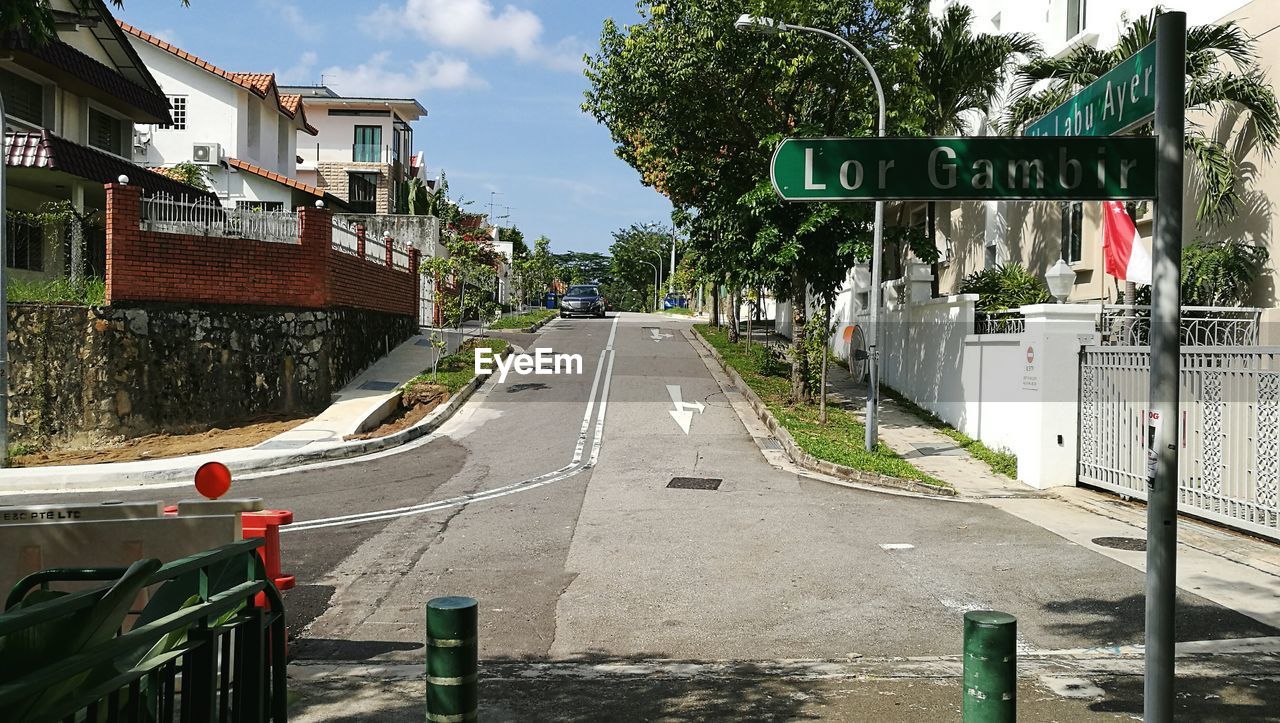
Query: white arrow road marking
{"type": "Point", "coordinates": [658, 334]}
{"type": "Point", "coordinates": [681, 414]}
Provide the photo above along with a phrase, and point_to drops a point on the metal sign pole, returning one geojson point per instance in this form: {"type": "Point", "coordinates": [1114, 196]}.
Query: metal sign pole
{"type": "Point", "coordinates": [1162, 473]}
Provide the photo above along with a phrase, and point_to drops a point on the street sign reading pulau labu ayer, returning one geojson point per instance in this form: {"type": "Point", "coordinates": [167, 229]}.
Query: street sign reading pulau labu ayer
{"type": "Point", "coordinates": [980, 168]}
{"type": "Point", "coordinates": [1119, 99]}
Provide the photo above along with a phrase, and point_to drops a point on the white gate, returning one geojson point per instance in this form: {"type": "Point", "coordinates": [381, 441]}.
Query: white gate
{"type": "Point", "coordinates": [1229, 434]}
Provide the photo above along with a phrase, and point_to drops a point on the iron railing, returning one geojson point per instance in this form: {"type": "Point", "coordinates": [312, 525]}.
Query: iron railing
{"type": "Point", "coordinates": [200, 650]}
{"type": "Point", "coordinates": [379, 238]}
{"type": "Point", "coordinates": [344, 236]}
{"type": "Point", "coordinates": [1123, 325]}
{"type": "Point", "coordinates": [999, 322]}
{"type": "Point", "coordinates": [420, 232]}
{"type": "Point", "coordinates": [204, 217]}
{"type": "Point", "coordinates": [1228, 430]}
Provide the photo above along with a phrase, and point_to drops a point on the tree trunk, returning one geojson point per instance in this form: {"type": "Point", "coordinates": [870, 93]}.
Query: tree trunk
{"type": "Point", "coordinates": [751, 315]}
{"type": "Point", "coordinates": [799, 360]}
{"type": "Point", "coordinates": [715, 305]}
{"type": "Point", "coordinates": [822, 391]}
{"type": "Point", "coordinates": [735, 302]}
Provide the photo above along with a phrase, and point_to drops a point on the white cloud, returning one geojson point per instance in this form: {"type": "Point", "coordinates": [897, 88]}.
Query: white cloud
{"type": "Point", "coordinates": [379, 76]}
{"type": "Point", "coordinates": [169, 35]}
{"type": "Point", "coordinates": [293, 16]}
{"type": "Point", "coordinates": [477, 26]}
{"type": "Point", "coordinates": [301, 72]}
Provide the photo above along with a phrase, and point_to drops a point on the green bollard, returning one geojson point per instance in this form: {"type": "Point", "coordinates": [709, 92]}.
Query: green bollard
{"type": "Point", "coordinates": [990, 667]}
{"type": "Point", "coordinates": [453, 660]}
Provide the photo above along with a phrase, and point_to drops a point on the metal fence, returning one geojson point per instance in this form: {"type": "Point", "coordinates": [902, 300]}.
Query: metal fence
{"type": "Point", "coordinates": [200, 650]}
{"type": "Point", "coordinates": [203, 217]}
{"type": "Point", "coordinates": [999, 322]}
{"type": "Point", "coordinates": [1123, 325]}
{"type": "Point", "coordinates": [1229, 430]}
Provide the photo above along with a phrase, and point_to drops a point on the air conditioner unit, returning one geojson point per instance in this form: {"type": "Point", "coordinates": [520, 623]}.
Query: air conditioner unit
{"type": "Point", "coordinates": [206, 154]}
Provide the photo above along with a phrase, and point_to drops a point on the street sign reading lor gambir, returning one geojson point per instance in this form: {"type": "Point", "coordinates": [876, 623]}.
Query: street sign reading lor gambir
{"type": "Point", "coordinates": [1118, 100]}
{"type": "Point", "coordinates": [981, 168]}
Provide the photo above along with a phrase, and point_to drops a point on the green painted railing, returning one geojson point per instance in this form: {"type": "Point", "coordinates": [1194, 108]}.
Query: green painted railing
{"type": "Point", "coordinates": [199, 650]}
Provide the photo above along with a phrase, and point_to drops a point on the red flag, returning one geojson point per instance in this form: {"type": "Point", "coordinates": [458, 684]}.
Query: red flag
{"type": "Point", "coordinates": [1127, 257]}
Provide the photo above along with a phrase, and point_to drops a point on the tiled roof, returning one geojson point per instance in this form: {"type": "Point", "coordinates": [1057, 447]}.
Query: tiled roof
{"type": "Point", "coordinates": [260, 84]}
{"type": "Point", "coordinates": [291, 102]}
{"type": "Point", "coordinates": [272, 175]}
{"type": "Point", "coordinates": [91, 72]}
{"type": "Point", "coordinates": [46, 150]}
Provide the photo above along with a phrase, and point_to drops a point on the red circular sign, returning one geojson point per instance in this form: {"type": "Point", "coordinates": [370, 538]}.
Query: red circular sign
{"type": "Point", "coordinates": [1031, 355]}
{"type": "Point", "coordinates": [213, 480]}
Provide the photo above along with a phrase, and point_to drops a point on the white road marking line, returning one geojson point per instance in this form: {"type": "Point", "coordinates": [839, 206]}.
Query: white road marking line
{"type": "Point", "coordinates": [897, 546]}
{"type": "Point", "coordinates": [569, 470]}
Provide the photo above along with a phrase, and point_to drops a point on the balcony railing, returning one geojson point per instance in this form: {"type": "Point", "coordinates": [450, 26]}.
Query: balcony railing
{"type": "Point", "coordinates": [999, 322]}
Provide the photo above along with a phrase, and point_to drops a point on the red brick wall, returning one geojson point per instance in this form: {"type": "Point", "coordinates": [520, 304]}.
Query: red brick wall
{"type": "Point", "coordinates": [177, 268]}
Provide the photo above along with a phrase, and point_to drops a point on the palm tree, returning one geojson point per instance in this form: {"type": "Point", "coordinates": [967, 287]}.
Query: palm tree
{"type": "Point", "coordinates": [1210, 87]}
{"type": "Point", "coordinates": [964, 73]}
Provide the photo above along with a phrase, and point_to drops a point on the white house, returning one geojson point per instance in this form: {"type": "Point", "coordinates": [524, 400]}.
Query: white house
{"type": "Point", "coordinates": [363, 148]}
{"type": "Point", "coordinates": [238, 126]}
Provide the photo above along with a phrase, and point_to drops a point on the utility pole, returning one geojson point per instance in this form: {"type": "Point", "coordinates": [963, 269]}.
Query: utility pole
{"type": "Point", "coordinates": [671, 274]}
{"type": "Point", "coordinates": [492, 195]}
{"type": "Point", "coordinates": [1166, 325]}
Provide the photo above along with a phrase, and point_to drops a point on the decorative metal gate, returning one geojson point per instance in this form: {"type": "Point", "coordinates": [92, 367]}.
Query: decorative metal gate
{"type": "Point", "coordinates": [1229, 434]}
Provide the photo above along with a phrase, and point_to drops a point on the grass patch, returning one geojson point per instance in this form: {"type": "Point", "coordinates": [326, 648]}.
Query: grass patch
{"type": "Point", "coordinates": [90, 292]}
{"type": "Point", "coordinates": [840, 440]}
{"type": "Point", "coordinates": [1006, 463]}
{"type": "Point", "coordinates": [523, 321]}
{"type": "Point", "coordinates": [458, 369]}
{"type": "Point", "coordinates": [679, 311]}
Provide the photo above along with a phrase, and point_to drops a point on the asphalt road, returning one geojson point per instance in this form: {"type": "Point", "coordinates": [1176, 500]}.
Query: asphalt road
{"type": "Point", "coordinates": [578, 550]}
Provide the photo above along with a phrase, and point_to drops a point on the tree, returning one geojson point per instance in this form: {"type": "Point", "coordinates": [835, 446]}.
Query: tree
{"type": "Point", "coordinates": [634, 248]}
{"type": "Point", "coordinates": [963, 73]}
{"type": "Point", "coordinates": [519, 249]}
{"type": "Point", "coordinates": [36, 18]}
{"type": "Point", "coordinates": [697, 109]}
{"type": "Point", "coordinates": [581, 267]}
{"type": "Point", "coordinates": [1210, 87]}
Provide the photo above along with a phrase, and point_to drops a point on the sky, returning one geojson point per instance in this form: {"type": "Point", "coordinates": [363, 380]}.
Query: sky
{"type": "Point", "coordinates": [502, 83]}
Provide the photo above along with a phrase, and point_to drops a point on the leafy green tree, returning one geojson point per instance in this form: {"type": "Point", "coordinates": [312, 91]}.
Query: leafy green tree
{"type": "Point", "coordinates": [519, 249]}
{"type": "Point", "coordinates": [633, 249]}
{"type": "Point", "coordinates": [580, 267]}
{"type": "Point", "coordinates": [698, 108]}
{"type": "Point", "coordinates": [189, 173]}
{"type": "Point", "coordinates": [1212, 86]}
{"type": "Point", "coordinates": [963, 73]}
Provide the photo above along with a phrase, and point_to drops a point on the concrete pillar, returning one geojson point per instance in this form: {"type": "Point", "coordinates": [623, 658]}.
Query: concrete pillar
{"type": "Point", "coordinates": [1050, 390]}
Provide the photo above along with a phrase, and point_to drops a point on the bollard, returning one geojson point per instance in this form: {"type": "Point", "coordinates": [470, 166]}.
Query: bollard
{"type": "Point", "coordinates": [990, 667]}
{"type": "Point", "coordinates": [453, 660]}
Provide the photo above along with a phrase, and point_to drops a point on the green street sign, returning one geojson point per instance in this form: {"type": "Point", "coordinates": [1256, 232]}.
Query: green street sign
{"type": "Point", "coordinates": [980, 168]}
{"type": "Point", "coordinates": [1121, 98]}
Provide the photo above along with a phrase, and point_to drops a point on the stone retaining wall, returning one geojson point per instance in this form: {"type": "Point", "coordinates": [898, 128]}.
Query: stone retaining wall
{"type": "Point", "coordinates": [85, 374]}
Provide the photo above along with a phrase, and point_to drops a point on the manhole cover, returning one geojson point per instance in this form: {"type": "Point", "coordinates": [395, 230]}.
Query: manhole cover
{"type": "Point", "coordinates": [1133, 544]}
{"type": "Point", "coordinates": [694, 483]}
{"type": "Point", "coordinates": [379, 386]}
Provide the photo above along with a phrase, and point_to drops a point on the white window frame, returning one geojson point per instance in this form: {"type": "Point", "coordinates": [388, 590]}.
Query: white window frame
{"type": "Point", "coordinates": [174, 112]}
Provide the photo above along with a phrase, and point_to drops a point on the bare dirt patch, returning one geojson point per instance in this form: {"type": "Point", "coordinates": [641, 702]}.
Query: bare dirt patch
{"type": "Point", "coordinates": [416, 401]}
{"type": "Point", "coordinates": [160, 446]}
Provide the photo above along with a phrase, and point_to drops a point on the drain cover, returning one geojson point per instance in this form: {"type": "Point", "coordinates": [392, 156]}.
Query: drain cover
{"type": "Point", "coordinates": [770, 443]}
{"type": "Point", "coordinates": [731, 388]}
{"type": "Point", "coordinates": [694, 483]}
{"type": "Point", "coordinates": [1133, 544]}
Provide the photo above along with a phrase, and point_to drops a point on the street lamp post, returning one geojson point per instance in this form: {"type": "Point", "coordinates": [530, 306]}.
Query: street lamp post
{"type": "Point", "coordinates": [655, 282]}
{"type": "Point", "coordinates": [750, 23]}
{"type": "Point", "coordinates": [671, 272]}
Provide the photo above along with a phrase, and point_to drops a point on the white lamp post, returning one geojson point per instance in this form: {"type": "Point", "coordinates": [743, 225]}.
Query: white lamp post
{"type": "Point", "coordinates": [1060, 278]}
{"type": "Point", "coordinates": [769, 26]}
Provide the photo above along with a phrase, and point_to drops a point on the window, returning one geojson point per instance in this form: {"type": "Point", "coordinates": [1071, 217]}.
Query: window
{"type": "Point", "coordinates": [105, 132]}
{"type": "Point", "coordinates": [25, 246]}
{"type": "Point", "coordinates": [368, 144]}
{"type": "Point", "coordinates": [178, 111]}
{"type": "Point", "coordinates": [261, 205]}
{"type": "Point", "coordinates": [362, 192]}
{"type": "Point", "coordinates": [1075, 17]}
{"type": "Point", "coordinates": [23, 99]}
{"type": "Point", "coordinates": [1072, 232]}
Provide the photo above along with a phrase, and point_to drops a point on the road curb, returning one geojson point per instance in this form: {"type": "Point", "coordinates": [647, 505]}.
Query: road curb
{"type": "Point", "coordinates": [803, 458]}
{"type": "Point", "coordinates": [66, 478]}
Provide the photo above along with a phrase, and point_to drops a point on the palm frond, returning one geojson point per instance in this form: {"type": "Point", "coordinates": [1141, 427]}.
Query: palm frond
{"type": "Point", "coordinates": [1216, 172]}
{"type": "Point", "coordinates": [1031, 106]}
{"type": "Point", "coordinates": [1226, 39]}
{"type": "Point", "coordinates": [1252, 92]}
